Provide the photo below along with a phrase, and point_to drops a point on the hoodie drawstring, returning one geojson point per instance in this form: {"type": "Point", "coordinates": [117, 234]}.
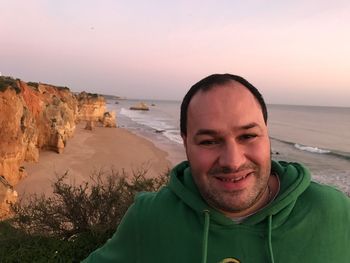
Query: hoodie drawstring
{"type": "Point", "coordinates": [206, 233]}
{"type": "Point", "coordinates": [272, 260]}
{"type": "Point", "coordinates": [205, 236]}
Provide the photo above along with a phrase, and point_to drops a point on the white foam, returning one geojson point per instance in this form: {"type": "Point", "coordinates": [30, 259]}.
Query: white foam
{"type": "Point", "coordinates": [173, 136]}
{"type": "Point", "coordinates": [310, 149]}
{"type": "Point", "coordinates": [158, 123]}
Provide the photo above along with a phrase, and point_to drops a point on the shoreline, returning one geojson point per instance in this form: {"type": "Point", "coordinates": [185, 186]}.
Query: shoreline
{"type": "Point", "coordinates": [324, 168]}
{"type": "Point", "coordinates": [101, 149]}
{"type": "Point", "coordinates": [123, 149]}
{"type": "Point", "coordinates": [175, 151]}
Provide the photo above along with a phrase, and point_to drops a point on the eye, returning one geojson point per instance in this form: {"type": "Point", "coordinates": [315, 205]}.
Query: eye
{"type": "Point", "coordinates": [248, 136]}
{"type": "Point", "coordinates": [208, 142]}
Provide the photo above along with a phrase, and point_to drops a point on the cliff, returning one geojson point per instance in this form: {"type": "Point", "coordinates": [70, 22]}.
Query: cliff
{"type": "Point", "coordinates": [92, 109]}
{"type": "Point", "coordinates": [36, 116]}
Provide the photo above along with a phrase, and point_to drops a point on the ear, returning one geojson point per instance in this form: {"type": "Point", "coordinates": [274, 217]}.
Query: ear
{"type": "Point", "coordinates": [184, 139]}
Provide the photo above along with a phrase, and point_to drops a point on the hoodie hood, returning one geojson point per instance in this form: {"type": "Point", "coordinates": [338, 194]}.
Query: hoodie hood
{"type": "Point", "coordinates": [294, 180]}
{"type": "Point", "coordinates": [176, 225]}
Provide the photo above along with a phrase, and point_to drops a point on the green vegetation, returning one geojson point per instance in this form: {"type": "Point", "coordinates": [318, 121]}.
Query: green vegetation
{"type": "Point", "coordinates": [19, 246]}
{"type": "Point", "coordinates": [94, 95]}
{"type": "Point", "coordinates": [110, 97]}
{"type": "Point", "coordinates": [8, 82]}
{"type": "Point", "coordinates": [62, 88]}
{"type": "Point", "coordinates": [86, 95]}
{"type": "Point", "coordinates": [34, 85]}
{"type": "Point", "coordinates": [75, 221]}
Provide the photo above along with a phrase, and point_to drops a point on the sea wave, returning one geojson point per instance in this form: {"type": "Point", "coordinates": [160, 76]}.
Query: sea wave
{"type": "Point", "coordinates": [173, 135]}
{"type": "Point", "coordinates": [338, 154]}
{"type": "Point", "coordinates": [143, 117]}
{"type": "Point", "coordinates": [159, 124]}
{"type": "Point", "coordinates": [165, 125]}
{"type": "Point", "coordinates": [310, 149]}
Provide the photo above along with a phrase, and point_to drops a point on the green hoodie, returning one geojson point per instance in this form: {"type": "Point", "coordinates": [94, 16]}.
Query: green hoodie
{"type": "Point", "coordinates": [307, 222]}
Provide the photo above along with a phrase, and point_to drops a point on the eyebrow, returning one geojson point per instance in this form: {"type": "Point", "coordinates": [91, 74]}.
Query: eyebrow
{"type": "Point", "coordinates": [215, 132]}
{"type": "Point", "coordinates": [249, 126]}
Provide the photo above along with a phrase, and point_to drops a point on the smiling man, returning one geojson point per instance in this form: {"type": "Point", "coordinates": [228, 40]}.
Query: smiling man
{"type": "Point", "coordinates": [230, 202]}
{"type": "Point", "coordinates": [228, 147]}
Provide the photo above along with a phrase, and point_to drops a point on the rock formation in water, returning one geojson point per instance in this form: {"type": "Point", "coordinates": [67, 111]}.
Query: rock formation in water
{"type": "Point", "coordinates": [140, 106]}
{"type": "Point", "coordinates": [36, 116]}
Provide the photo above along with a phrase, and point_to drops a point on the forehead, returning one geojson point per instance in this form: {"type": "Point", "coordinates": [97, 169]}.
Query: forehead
{"type": "Point", "coordinates": [233, 94]}
{"type": "Point", "coordinates": [228, 104]}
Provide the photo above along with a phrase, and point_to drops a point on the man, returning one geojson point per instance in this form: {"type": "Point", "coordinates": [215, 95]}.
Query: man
{"type": "Point", "coordinates": [230, 202]}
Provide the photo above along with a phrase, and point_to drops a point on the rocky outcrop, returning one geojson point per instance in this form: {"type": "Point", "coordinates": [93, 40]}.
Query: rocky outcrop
{"type": "Point", "coordinates": [36, 116]}
{"type": "Point", "coordinates": [140, 106]}
{"type": "Point", "coordinates": [33, 118]}
{"type": "Point", "coordinates": [56, 120]}
{"type": "Point", "coordinates": [17, 136]}
{"type": "Point", "coordinates": [92, 109]}
{"type": "Point", "coordinates": [7, 196]}
{"type": "Point", "coordinates": [109, 120]}
{"type": "Point", "coordinates": [89, 125]}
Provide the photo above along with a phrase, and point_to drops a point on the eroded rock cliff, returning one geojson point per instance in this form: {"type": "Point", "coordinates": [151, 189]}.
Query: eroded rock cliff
{"type": "Point", "coordinates": [91, 107]}
{"type": "Point", "coordinates": [36, 116]}
{"type": "Point", "coordinates": [92, 110]}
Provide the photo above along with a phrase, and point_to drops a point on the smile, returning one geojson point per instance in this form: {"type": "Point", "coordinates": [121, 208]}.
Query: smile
{"type": "Point", "coordinates": [234, 180]}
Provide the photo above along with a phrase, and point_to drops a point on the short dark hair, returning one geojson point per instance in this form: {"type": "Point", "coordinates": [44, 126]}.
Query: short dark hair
{"type": "Point", "coordinates": [217, 80]}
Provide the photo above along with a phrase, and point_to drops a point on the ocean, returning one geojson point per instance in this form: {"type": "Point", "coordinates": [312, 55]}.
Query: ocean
{"type": "Point", "coordinates": [318, 137]}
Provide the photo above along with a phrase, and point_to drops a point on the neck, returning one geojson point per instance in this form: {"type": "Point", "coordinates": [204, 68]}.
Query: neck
{"type": "Point", "coordinates": [262, 200]}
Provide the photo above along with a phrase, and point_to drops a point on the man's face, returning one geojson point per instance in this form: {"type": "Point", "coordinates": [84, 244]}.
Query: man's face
{"type": "Point", "coordinates": [228, 147]}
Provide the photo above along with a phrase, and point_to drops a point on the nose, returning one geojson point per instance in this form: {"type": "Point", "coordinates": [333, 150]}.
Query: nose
{"type": "Point", "coordinates": [232, 155]}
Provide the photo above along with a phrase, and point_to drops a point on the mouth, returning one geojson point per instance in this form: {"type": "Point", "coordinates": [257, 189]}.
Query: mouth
{"type": "Point", "coordinates": [234, 181]}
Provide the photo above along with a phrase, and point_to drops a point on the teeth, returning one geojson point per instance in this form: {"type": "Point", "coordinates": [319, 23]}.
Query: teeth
{"type": "Point", "coordinates": [232, 180]}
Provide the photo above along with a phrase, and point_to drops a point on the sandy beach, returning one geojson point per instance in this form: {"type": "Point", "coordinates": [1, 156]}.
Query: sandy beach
{"type": "Point", "coordinates": [88, 151]}
{"type": "Point", "coordinates": [118, 149]}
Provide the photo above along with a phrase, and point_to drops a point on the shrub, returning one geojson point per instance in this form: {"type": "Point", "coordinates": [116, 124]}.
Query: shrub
{"type": "Point", "coordinates": [18, 246]}
{"type": "Point", "coordinates": [77, 219]}
{"type": "Point", "coordinates": [34, 85]}
{"type": "Point", "coordinates": [62, 88]}
{"type": "Point", "coordinates": [6, 82]}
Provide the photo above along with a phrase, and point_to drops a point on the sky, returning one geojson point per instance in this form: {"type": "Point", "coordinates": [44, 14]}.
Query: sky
{"type": "Point", "coordinates": [295, 52]}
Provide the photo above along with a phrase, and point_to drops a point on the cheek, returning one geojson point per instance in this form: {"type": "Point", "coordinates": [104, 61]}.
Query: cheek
{"type": "Point", "coordinates": [260, 153]}
{"type": "Point", "coordinates": [201, 159]}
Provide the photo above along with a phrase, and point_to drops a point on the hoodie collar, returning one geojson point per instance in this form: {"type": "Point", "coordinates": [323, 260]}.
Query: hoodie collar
{"type": "Point", "coordinates": [294, 179]}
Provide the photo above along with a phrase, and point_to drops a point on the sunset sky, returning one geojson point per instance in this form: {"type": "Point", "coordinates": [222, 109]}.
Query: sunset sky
{"type": "Point", "coordinates": [294, 52]}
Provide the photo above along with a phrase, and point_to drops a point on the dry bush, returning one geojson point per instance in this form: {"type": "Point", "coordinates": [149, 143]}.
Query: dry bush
{"type": "Point", "coordinates": [91, 207]}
